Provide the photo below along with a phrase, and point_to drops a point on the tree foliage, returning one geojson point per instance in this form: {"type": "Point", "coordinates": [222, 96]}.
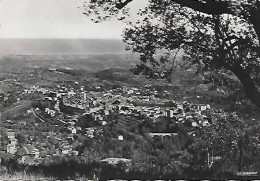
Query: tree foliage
{"type": "Point", "coordinates": [215, 35]}
{"type": "Point", "coordinates": [229, 140]}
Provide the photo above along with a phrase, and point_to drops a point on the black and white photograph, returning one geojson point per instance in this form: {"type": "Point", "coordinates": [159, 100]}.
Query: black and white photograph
{"type": "Point", "coordinates": [129, 89]}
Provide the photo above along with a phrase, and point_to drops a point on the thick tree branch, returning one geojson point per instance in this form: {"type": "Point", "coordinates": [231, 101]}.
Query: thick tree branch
{"type": "Point", "coordinates": [213, 7]}
{"type": "Point", "coordinates": [249, 85]}
{"type": "Point", "coordinates": [207, 6]}
{"type": "Point", "coordinates": [121, 4]}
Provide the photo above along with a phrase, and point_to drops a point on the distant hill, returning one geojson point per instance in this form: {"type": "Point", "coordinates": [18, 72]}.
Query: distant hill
{"type": "Point", "coordinates": [60, 46]}
{"type": "Point", "coordinates": [88, 62]}
{"type": "Point", "coordinates": [120, 75]}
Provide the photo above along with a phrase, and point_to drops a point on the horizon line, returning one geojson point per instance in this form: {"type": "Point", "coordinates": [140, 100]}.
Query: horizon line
{"type": "Point", "coordinates": [41, 38]}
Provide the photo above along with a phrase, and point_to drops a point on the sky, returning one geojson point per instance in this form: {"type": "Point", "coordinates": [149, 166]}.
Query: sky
{"type": "Point", "coordinates": [54, 19]}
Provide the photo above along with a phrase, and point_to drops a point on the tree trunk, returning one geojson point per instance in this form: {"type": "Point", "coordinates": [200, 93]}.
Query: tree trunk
{"type": "Point", "coordinates": [251, 91]}
{"type": "Point", "coordinates": [254, 18]}
{"type": "Point", "coordinates": [240, 159]}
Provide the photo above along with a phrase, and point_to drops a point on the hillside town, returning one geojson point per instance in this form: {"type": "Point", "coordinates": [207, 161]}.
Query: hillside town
{"type": "Point", "coordinates": [62, 108]}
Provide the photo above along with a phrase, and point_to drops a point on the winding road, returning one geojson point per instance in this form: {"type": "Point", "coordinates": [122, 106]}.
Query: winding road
{"type": "Point", "coordinates": [37, 116]}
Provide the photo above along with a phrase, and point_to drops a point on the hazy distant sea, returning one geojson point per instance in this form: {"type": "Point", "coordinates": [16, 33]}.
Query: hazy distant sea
{"type": "Point", "coordinates": [60, 46]}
